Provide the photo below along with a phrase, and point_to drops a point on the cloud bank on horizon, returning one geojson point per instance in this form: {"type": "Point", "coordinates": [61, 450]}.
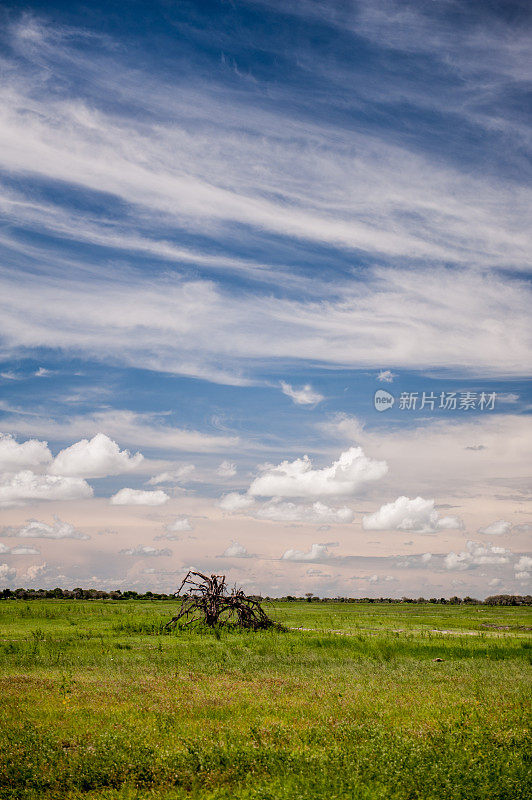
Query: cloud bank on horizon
{"type": "Point", "coordinates": [222, 233]}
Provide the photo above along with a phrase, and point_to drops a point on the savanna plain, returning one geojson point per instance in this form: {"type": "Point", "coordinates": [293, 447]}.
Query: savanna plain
{"type": "Point", "coordinates": [99, 702]}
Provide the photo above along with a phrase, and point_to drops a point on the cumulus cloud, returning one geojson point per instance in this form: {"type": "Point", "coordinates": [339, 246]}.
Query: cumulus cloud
{"type": "Point", "coordinates": [94, 458]}
{"type": "Point", "coordinates": [226, 469]}
{"type": "Point", "coordinates": [496, 528]}
{"type": "Point", "coordinates": [304, 396]}
{"type": "Point", "coordinates": [146, 550]}
{"type": "Point", "coordinates": [234, 501]}
{"type": "Point", "coordinates": [343, 427]}
{"type": "Point", "coordinates": [235, 550]}
{"type": "Point", "coordinates": [405, 514]}
{"type": "Point", "coordinates": [34, 529]}
{"type": "Point", "coordinates": [524, 563]}
{"type": "Point", "coordinates": [182, 473]}
{"type": "Point", "coordinates": [293, 512]}
{"type": "Point", "coordinates": [29, 454]}
{"type": "Point", "coordinates": [523, 527]}
{"type": "Point", "coordinates": [476, 554]}
{"type": "Point", "coordinates": [139, 497]}
{"type": "Point", "coordinates": [7, 573]}
{"type": "Point", "coordinates": [298, 478]}
{"type": "Point", "coordinates": [36, 571]}
{"type": "Point", "coordinates": [317, 552]}
{"type": "Point", "coordinates": [376, 578]}
{"type": "Point", "coordinates": [179, 525]}
{"type": "Point", "coordinates": [17, 489]}
{"type": "Point", "coordinates": [386, 376]}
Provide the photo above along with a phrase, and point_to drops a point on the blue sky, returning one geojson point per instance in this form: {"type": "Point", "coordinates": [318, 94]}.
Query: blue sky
{"type": "Point", "coordinates": [225, 226]}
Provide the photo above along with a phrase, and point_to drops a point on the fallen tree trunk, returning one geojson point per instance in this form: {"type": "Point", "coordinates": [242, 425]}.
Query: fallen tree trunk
{"type": "Point", "coordinates": [207, 599]}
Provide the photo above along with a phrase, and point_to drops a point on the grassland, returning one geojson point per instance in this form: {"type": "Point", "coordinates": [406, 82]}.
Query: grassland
{"type": "Point", "coordinates": [97, 703]}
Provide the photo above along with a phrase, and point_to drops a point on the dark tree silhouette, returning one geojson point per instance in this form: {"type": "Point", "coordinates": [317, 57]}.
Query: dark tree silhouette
{"type": "Point", "coordinates": [207, 599]}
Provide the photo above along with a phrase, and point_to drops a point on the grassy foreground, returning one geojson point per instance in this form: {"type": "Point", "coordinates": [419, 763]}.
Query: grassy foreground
{"type": "Point", "coordinates": [96, 703]}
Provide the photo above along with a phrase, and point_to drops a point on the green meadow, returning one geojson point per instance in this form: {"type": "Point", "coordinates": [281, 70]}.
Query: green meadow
{"type": "Point", "coordinates": [98, 702]}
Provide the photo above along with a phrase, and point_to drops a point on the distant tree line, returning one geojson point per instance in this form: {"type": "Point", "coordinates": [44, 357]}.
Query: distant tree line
{"type": "Point", "coordinates": [98, 594]}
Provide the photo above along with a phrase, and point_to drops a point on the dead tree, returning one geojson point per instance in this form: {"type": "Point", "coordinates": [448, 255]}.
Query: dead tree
{"type": "Point", "coordinates": [208, 600]}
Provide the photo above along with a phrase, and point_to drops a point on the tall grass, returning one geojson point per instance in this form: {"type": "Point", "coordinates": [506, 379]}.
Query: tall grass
{"type": "Point", "coordinates": [98, 702]}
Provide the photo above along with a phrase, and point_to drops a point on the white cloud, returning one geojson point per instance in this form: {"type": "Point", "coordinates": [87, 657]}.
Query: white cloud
{"type": "Point", "coordinates": [34, 529]}
{"type": "Point", "coordinates": [36, 571]}
{"type": "Point", "coordinates": [426, 557]}
{"type": "Point", "coordinates": [9, 375]}
{"type": "Point", "coordinates": [235, 550]}
{"type": "Point", "coordinates": [29, 454]}
{"type": "Point", "coordinates": [97, 458]}
{"type": "Point", "coordinates": [21, 488]}
{"type": "Point", "coordinates": [522, 576]}
{"type": "Point", "coordinates": [316, 513]}
{"type": "Point", "coordinates": [524, 563]}
{"type": "Point", "coordinates": [299, 479]}
{"type": "Point", "coordinates": [233, 501]}
{"type": "Point", "coordinates": [343, 426]}
{"type": "Point", "coordinates": [226, 469]}
{"type": "Point", "coordinates": [475, 555]}
{"type": "Point", "coordinates": [360, 192]}
{"type": "Point", "coordinates": [405, 514]}
{"type": "Point", "coordinates": [182, 473]}
{"type": "Point", "coordinates": [498, 528]}
{"type": "Point", "coordinates": [123, 425]}
{"type": "Point", "coordinates": [146, 550]}
{"type": "Point", "coordinates": [7, 573]}
{"type": "Point", "coordinates": [139, 497]}
{"type": "Point", "coordinates": [179, 524]}
{"type": "Point", "coordinates": [17, 551]}
{"type": "Point", "coordinates": [317, 552]}
{"type": "Point", "coordinates": [304, 396]}
{"type": "Point", "coordinates": [522, 527]}
{"type": "Point", "coordinates": [386, 376]}
{"type": "Point", "coordinates": [415, 469]}
{"type": "Point", "coordinates": [325, 185]}
{"type": "Point", "coordinates": [507, 397]}
{"type": "Point", "coordinates": [376, 578]}
{"type": "Point", "coordinates": [388, 300]}
{"type": "Point", "coordinates": [495, 582]}
{"type": "Point", "coordinates": [42, 372]}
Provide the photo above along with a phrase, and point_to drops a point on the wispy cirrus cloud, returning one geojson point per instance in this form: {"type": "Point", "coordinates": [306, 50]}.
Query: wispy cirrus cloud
{"type": "Point", "coordinates": [302, 396]}
{"type": "Point", "coordinates": [359, 191]}
{"type": "Point", "coordinates": [129, 427]}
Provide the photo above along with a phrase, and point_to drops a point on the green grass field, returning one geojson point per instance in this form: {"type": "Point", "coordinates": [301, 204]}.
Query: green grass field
{"type": "Point", "coordinates": [96, 703]}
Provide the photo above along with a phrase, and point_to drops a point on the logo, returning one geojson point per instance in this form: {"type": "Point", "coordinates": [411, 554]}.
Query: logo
{"type": "Point", "coordinates": [383, 400]}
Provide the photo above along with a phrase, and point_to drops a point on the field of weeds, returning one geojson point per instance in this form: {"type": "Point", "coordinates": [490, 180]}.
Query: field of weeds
{"type": "Point", "coordinates": [374, 702]}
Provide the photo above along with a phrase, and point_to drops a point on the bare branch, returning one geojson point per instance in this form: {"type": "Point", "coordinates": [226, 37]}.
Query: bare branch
{"type": "Point", "coordinates": [208, 600]}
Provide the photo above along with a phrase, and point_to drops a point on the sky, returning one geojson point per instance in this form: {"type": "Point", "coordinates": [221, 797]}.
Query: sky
{"type": "Point", "coordinates": [265, 295]}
